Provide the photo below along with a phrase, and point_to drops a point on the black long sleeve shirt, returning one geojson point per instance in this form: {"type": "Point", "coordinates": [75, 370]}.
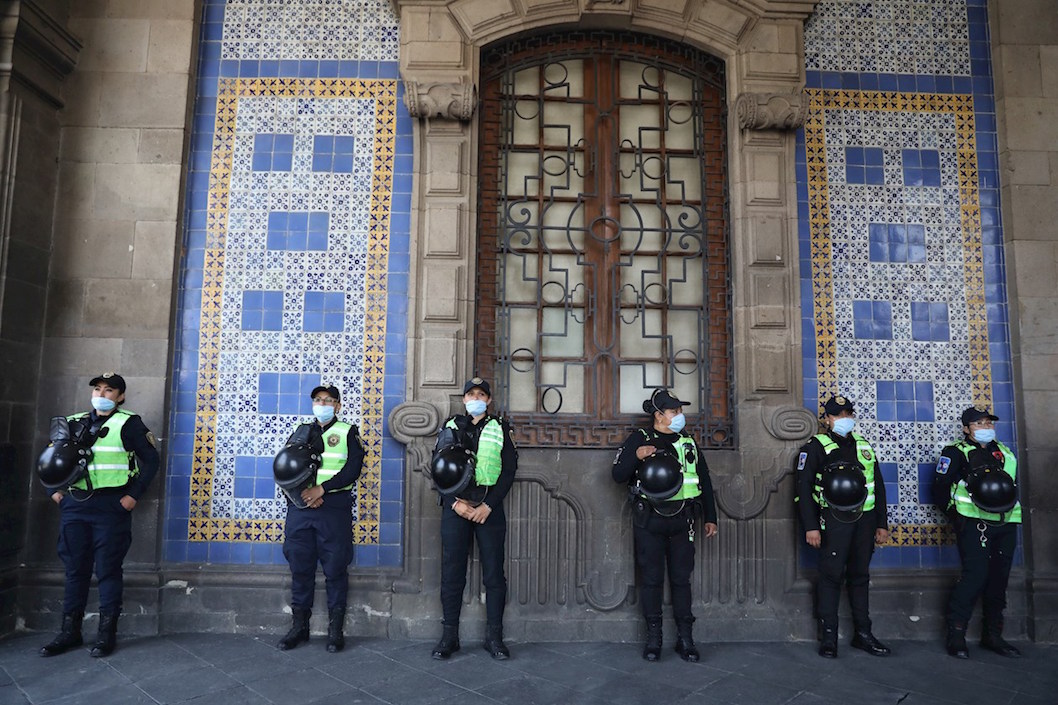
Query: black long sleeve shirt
{"type": "Point", "coordinates": [814, 460]}
{"type": "Point", "coordinates": [136, 438]}
{"type": "Point", "coordinates": [626, 463]}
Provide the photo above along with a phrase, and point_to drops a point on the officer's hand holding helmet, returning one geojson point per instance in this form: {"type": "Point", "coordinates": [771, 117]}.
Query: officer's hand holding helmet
{"type": "Point", "coordinates": [452, 469]}
{"type": "Point", "coordinates": [659, 476]}
{"type": "Point", "coordinates": [295, 466]}
{"type": "Point", "coordinates": [65, 460]}
{"type": "Point", "coordinates": [992, 489]}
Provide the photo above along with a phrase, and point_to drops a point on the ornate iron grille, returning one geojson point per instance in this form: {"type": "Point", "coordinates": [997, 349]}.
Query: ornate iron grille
{"type": "Point", "coordinates": [603, 241]}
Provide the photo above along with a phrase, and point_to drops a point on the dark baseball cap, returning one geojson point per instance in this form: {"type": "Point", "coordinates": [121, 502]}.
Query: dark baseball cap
{"type": "Point", "coordinates": [976, 413]}
{"type": "Point", "coordinates": [111, 378]}
{"type": "Point", "coordinates": [661, 400]}
{"type": "Point", "coordinates": [479, 383]}
{"type": "Point", "coordinates": [836, 404]}
{"type": "Point", "coordinates": [331, 390]}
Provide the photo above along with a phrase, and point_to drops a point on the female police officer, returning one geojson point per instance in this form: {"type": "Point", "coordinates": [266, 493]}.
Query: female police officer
{"type": "Point", "coordinates": [985, 514]}
{"type": "Point", "coordinates": [664, 530]}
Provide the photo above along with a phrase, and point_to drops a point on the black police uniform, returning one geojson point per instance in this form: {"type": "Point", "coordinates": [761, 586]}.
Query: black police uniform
{"type": "Point", "coordinates": [847, 546]}
{"type": "Point", "coordinates": [459, 534]}
{"type": "Point", "coordinates": [324, 535]}
{"type": "Point", "coordinates": [96, 530]}
{"type": "Point", "coordinates": [986, 551]}
{"type": "Point", "coordinates": [664, 534]}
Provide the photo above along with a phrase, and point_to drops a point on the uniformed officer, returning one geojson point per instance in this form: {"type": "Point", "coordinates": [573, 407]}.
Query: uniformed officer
{"type": "Point", "coordinates": [986, 539]}
{"type": "Point", "coordinates": [663, 530]}
{"type": "Point", "coordinates": [96, 525]}
{"type": "Point", "coordinates": [845, 537]}
{"type": "Point", "coordinates": [321, 532]}
{"type": "Point", "coordinates": [477, 516]}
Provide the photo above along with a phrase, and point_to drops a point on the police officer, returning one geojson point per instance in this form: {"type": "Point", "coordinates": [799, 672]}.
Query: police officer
{"type": "Point", "coordinates": [321, 531]}
{"type": "Point", "coordinates": [845, 537]}
{"type": "Point", "coordinates": [986, 539]}
{"type": "Point", "coordinates": [477, 518]}
{"type": "Point", "coordinates": [96, 524]}
{"type": "Point", "coordinates": [664, 529]}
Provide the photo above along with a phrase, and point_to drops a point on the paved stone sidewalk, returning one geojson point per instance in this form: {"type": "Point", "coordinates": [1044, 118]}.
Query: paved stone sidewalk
{"type": "Point", "coordinates": [243, 670]}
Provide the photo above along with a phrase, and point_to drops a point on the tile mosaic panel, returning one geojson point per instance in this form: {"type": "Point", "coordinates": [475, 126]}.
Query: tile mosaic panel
{"type": "Point", "coordinates": [903, 292]}
{"type": "Point", "coordinates": [295, 274]}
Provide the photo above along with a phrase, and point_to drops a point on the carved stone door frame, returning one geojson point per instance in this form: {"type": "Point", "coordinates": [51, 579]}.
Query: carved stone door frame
{"type": "Point", "coordinates": [762, 43]}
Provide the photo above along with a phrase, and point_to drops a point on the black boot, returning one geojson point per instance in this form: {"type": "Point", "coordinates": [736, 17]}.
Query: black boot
{"type": "Point", "coordinates": [299, 629]}
{"type": "Point", "coordinates": [652, 648]}
{"type": "Point", "coordinates": [685, 646]}
{"type": "Point", "coordinates": [864, 640]}
{"type": "Point", "coordinates": [992, 638]}
{"type": "Point", "coordinates": [449, 643]}
{"type": "Point", "coordinates": [335, 629]}
{"type": "Point", "coordinates": [107, 637]}
{"type": "Point", "coordinates": [494, 642]}
{"type": "Point", "coordinates": [957, 640]}
{"type": "Point", "coordinates": [828, 641]}
{"type": "Point", "coordinates": [69, 636]}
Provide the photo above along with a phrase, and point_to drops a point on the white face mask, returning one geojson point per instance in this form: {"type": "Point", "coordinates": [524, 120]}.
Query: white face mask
{"type": "Point", "coordinates": [103, 404]}
{"type": "Point", "coordinates": [844, 425]}
{"type": "Point", "coordinates": [985, 435]}
{"type": "Point", "coordinates": [476, 407]}
{"type": "Point", "coordinates": [677, 423]}
{"type": "Point", "coordinates": [323, 412]}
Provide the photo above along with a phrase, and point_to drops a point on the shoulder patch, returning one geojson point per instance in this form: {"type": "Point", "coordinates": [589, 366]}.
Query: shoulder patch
{"type": "Point", "coordinates": [151, 439]}
{"type": "Point", "coordinates": [801, 459]}
{"type": "Point", "coordinates": [617, 458]}
{"type": "Point", "coordinates": [943, 464]}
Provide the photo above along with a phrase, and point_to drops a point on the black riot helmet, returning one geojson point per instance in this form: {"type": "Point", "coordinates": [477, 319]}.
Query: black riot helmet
{"type": "Point", "coordinates": [844, 488]}
{"type": "Point", "coordinates": [660, 475]}
{"type": "Point", "coordinates": [62, 464]}
{"type": "Point", "coordinates": [294, 469]}
{"type": "Point", "coordinates": [992, 489]}
{"type": "Point", "coordinates": [452, 469]}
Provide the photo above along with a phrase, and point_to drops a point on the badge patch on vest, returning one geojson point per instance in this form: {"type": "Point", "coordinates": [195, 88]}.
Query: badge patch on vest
{"type": "Point", "coordinates": [333, 440]}
{"type": "Point", "coordinates": [942, 465]}
{"type": "Point", "coordinates": [998, 455]}
{"type": "Point", "coordinates": [865, 454]}
{"type": "Point", "coordinates": [801, 459]}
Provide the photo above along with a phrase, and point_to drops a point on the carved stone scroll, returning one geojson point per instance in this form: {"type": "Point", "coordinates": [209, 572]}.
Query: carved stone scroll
{"type": "Point", "coordinates": [414, 424]}
{"type": "Point", "coordinates": [789, 423]}
{"type": "Point", "coordinates": [771, 111]}
{"type": "Point", "coordinates": [445, 101]}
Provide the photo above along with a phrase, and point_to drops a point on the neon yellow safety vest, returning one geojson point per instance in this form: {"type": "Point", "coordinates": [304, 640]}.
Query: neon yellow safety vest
{"type": "Point", "coordinates": [865, 456]}
{"type": "Point", "coordinates": [686, 450]}
{"type": "Point", "coordinates": [960, 495]}
{"type": "Point", "coordinates": [488, 462]}
{"type": "Point", "coordinates": [335, 453]}
{"type": "Point", "coordinates": [112, 465]}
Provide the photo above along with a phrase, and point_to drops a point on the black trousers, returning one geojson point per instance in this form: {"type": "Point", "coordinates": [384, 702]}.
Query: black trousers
{"type": "Point", "coordinates": [458, 536]}
{"type": "Point", "coordinates": [985, 570]}
{"type": "Point", "coordinates": [660, 543]}
{"type": "Point", "coordinates": [96, 532]}
{"type": "Point", "coordinates": [323, 536]}
{"type": "Point", "coordinates": [845, 557]}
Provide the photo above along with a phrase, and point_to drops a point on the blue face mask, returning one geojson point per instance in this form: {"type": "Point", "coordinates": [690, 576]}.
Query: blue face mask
{"type": "Point", "coordinates": [476, 407]}
{"type": "Point", "coordinates": [843, 425]}
{"type": "Point", "coordinates": [323, 412]}
{"type": "Point", "coordinates": [677, 423]}
{"type": "Point", "coordinates": [985, 436]}
{"type": "Point", "coordinates": [103, 404]}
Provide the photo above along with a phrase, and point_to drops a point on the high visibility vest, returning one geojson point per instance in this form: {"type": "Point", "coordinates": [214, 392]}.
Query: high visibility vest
{"type": "Point", "coordinates": [687, 453]}
{"type": "Point", "coordinates": [865, 456]}
{"type": "Point", "coordinates": [112, 465]}
{"type": "Point", "coordinates": [960, 494]}
{"type": "Point", "coordinates": [335, 453]}
{"type": "Point", "coordinates": [488, 460]}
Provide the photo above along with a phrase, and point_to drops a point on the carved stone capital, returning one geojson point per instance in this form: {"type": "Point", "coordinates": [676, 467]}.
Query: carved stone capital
{"type": "Point", "coordinates": [444, 101]}
{"type": "Point", "coordinates": [414, 423]}
{"type": "Point", "coordinates": [771, 111]}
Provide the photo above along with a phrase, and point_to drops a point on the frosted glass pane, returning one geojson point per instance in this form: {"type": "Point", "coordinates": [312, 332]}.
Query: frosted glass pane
{"type": "Point", "coordinates": [561, 335]}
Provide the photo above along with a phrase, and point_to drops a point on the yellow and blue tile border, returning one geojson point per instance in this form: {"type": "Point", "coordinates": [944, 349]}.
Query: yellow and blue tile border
{"type": "Point", "coordinates": [238, 363]}
{"type": "Point", "coordinates": [902, 287]}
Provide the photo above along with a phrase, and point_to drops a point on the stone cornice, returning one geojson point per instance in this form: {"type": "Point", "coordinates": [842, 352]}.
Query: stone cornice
{"type": "Point", "coordinates": [771, 111]}
{"type": "Point", "coordinates": [36, 51]}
